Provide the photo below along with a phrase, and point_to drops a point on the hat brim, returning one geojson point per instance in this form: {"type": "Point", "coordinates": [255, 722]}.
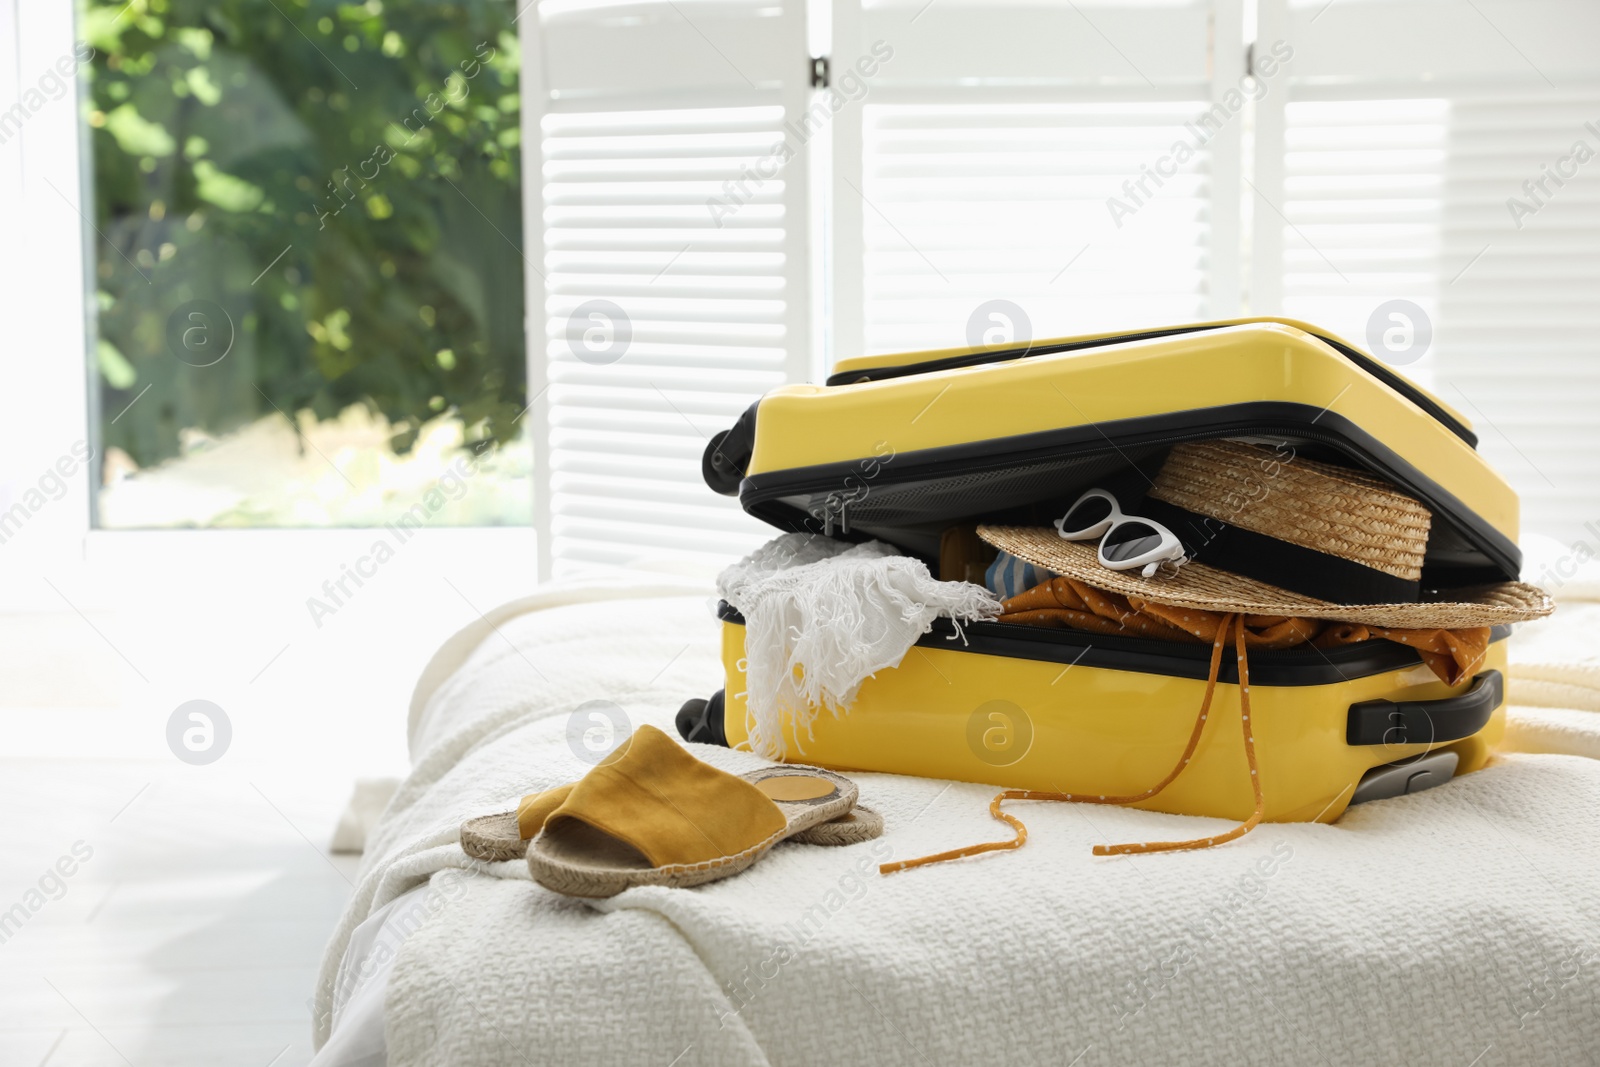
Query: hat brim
{"type": "Point", "coordinates": [1208, 589]}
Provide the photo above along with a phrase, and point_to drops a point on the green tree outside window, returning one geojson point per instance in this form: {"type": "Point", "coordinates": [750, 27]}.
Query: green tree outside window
{"type": "Point", "coordinates": [336, 187]}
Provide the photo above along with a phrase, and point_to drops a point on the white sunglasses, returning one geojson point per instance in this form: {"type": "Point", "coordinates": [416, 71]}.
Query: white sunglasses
{"type": "Point", "coordinates": [1127, 542]}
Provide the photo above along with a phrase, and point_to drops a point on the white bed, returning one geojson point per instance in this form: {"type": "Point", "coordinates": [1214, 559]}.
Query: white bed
{"type": "Point", "coordinates": [1458, 926]}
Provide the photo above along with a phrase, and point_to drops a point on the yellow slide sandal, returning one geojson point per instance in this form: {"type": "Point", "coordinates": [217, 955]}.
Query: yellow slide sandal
{"type": "Point", "coordinates": [505, 835]}
{"type": "Point", "coordinates": [652, 814]}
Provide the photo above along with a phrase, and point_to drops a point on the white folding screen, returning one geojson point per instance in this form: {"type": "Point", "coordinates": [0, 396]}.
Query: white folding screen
{"type": "Point", "coordinates": [1028, 168]}
{"type": "Point", "coordinates": [667, 247]}
{"type": "Point", "coordinates": [1440, 154]}
{"type": "Point", "coordinates": [1018, 169]}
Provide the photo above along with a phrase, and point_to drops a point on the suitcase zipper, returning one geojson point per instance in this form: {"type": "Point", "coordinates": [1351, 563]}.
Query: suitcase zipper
{"type": "Point", "coordinates": [1145, 655]}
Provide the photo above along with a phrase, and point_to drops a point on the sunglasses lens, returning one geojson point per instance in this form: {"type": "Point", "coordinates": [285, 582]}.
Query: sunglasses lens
{"type": "Point", "coordinates": [1129, 539]}
{"type": "Point", "coordinates": [1086, 514]}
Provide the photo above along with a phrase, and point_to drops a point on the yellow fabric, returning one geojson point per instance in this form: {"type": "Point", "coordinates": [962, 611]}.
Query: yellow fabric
{"type": "Point", "coordinates": [534, 810]}
{"type": "Point", "coordinates": [655, 796]}
{"type": "Point", "coordinates": [1454, 655]}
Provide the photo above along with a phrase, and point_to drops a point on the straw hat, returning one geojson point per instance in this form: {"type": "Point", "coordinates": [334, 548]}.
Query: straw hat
{"type": "Point", "coordinates": [1268, 535]}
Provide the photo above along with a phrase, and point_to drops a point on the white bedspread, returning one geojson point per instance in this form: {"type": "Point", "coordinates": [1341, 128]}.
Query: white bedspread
{"type": "Point", "coordinates": [1455, 927]}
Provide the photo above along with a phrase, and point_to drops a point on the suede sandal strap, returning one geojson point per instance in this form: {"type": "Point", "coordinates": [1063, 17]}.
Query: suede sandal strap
{"type": "Point", "coordinates": [535, 809]}
{"type": "Point", "coordinates": [505, 835]}
{"type": "Point", "coordinates": [654, 796]}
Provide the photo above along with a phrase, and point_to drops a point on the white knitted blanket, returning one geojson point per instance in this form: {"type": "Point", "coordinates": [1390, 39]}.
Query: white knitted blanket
{"type": "Point", "coordinates": [1555, 680]}
{"type": "Point", "coordinates": [1457, 926]}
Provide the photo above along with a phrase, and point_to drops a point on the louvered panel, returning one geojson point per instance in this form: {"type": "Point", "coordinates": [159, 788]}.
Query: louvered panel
{"type": "Point", "coordinates": [731, 363]}
{"type": "Point", "coordinates": [1527, 310]}
{"type": "Point", "coordinates": [631, 484]}
{"type": "Point", "coordinates": [966, 204]}
{"type": "Point", "coordinates": [627, 221]}
{"type": "Point", "coordinates": [715, 347]}
{"type": "Point", "coordinates": [671, 517]}
{"type": "Point", "coordinates": [1411, 198]}
{"type": "Point", "coordinates": [588, 542]}
{"type": "Point", "coordinates": [694, 393]}
{"type": "Point", "coordinates": [1362, 207]}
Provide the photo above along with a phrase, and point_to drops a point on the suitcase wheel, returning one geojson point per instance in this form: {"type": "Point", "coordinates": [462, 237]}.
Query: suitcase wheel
{"type": "Point", "coordinates": [701, 721]}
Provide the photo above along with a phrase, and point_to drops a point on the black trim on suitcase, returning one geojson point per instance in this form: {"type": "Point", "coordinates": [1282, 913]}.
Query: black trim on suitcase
{"type": "Point", "coordinates": [976, 359]}
{"type": "Point", "coordinates": [760, 493]}
{"type": "Point", "coordinates": [1425, 722]}
{"type": "Point", "coordinates": [1077, 648]}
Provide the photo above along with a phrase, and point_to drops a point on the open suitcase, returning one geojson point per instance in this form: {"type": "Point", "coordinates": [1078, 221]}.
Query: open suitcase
{"type": "Point", "coordinates": [901, 448]}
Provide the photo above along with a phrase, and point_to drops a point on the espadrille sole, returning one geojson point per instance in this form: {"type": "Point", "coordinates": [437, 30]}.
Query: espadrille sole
{"type": "Point", "coordinates": [853, 827]}
{"type": "Point", "coordinates": [563, 867]}
{"type": "Point", "coordinates": [494, 838]}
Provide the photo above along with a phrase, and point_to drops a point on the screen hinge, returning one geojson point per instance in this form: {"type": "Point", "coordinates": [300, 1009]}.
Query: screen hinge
{"type": "Point", "coordinates": [819, 72]}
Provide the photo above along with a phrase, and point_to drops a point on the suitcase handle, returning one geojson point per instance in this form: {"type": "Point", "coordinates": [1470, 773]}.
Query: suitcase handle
{"type": "Point", "coordinates": [1426, 722]}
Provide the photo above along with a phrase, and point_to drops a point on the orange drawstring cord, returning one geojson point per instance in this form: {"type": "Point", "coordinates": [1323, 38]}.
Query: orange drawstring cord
{"type": "Point", "coordinates": [1228, 622]}
{"type": "Point", "coordinates": [1249, 757]}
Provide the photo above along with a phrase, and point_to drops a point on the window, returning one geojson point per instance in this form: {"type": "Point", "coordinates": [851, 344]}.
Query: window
{"type": "Point", "coordinates": [306, 272]}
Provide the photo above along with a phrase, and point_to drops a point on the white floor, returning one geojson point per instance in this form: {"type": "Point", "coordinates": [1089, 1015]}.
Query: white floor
{"type": "Point", "coordinates": [192, 933]}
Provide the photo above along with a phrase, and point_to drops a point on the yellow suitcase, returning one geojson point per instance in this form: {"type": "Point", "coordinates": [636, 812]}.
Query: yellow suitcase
{"type": "Point", "coordinates": [901, 447]}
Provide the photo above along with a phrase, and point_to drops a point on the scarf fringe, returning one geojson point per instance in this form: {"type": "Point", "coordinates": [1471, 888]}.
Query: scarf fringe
{"type": "Point", "coordinates": [822, 617]}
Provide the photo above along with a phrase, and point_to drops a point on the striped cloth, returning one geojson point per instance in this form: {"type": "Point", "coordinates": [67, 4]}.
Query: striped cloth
{"type": "Point", "coordinates": [1009, 575]}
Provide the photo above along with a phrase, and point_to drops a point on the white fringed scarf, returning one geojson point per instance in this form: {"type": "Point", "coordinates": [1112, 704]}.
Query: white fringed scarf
{"type": "Point", "coordinates": [822, 616]}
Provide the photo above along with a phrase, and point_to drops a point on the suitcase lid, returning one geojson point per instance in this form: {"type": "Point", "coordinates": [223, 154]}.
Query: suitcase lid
{"type": "Point", "coordinates": [1011, 435]}
{"type": "Point", "coordinates": [858, 369]}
